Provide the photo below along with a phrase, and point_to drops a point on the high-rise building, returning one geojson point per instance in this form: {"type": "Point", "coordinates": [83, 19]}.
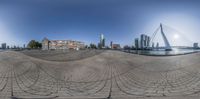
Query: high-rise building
{"type": "Point", "coordinates": [142, 39]}
{"type": "Point", "coordinates": [3, 45]}
{"type": "Point", "coordinates": [145, 41]}
{"type": "Point", "coordinates": [157, 45]}
{"type": "Point", "coordinates": [111, 44]}
{"type": "Point", "coordinates": [102, 41]}
{"type": "Point", "coordinates": [148, 41]}
{"type": "Point", "coordinates": [195, 45]}
{"type": "Point", "coordinates": [24, 46]}
{"type": "Point", "coordinates": [14, 47]}
{"type": "Point", "coordinates": [153, 45]}
{"type": "Point", "coordinates": [136, 43]}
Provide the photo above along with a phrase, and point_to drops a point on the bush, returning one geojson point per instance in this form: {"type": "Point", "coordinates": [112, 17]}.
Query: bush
{"type": "Point", "coordinates": [34, 44]}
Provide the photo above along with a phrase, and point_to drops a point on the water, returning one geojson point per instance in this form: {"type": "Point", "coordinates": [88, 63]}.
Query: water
{"type": "Point", "coordinates": [163, 52]}
{"type": "Point", "coordinates": [1, 50]}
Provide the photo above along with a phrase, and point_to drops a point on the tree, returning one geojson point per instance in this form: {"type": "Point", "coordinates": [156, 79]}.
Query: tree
{"type": "Point", "coordinates": [126, 47]}
{"type": "Point", "coordinates": [86, 46]}
{"type": "Point", "coordinates": [93, 46]}
{"type": "Point", "coordinates": [34, 44]}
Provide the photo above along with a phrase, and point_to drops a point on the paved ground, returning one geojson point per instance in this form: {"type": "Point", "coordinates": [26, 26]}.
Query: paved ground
{"type": "Point", "coordinates": [109, 74]}
{"type": "Point", "coordinates": [61, 55]}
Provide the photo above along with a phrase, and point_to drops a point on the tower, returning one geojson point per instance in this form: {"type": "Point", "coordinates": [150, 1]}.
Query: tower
{"type": "Point", "coordinates": [167, 45]}
{"type": "Point", "coordinates": [136, 43]}
{"type": "Point", "coordinates": [111, 44]}
{"type": "Point", "coordinates": [166, 42]}
{"type": "Point", "coordinates": [102, 41]}
{"type": "Point", "coordinates": [142, 41]}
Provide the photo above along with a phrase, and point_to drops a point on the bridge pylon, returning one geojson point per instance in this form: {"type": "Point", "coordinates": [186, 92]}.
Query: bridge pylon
{"type": "Point", "coordinates": [166, 42]}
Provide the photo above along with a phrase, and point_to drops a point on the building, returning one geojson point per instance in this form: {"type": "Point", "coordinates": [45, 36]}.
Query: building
{"type": "Point", "coordinates": [126, 47]}
{"type": "Point", "coordinates": [111, 44]}
{"type": "Point", "coordinates": [157, 45]}
{"type": "Point", "coordinates": [3, 45]}
{"type": "Point", "coordinates": [102, 41]}
{"type": "Point", "coordinates": [136, 43]}
{"type": "Point", "coordinates": [24, 46]}
{"type": "Point", "coordinates": [45, 44]}
{"type": "Point", "coordinates": [116, 46]}
{"type": "Point", "coordinates": [15, 47]}
{"type": "Point", "coordinates": [153, 45]}
{"type": "Point", "coordinates": [144, 41]}
{"type": "Point", "coordinates": [195, 45]}
{"type": "Point", "coordinates": [61, 44]}
{"type": "Point", "coordinates": [148, 41]}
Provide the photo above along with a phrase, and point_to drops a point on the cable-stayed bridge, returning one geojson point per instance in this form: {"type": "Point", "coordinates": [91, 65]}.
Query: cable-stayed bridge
{"type": "Point", "coordinates": [168, 34]}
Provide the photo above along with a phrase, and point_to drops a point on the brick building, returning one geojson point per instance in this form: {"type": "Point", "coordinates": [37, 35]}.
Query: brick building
{"type": "Point", "coordinates": [61, 44]}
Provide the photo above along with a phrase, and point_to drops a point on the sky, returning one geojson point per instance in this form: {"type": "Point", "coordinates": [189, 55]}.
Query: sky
{"type": "Point", "coordinates": [121, 21]}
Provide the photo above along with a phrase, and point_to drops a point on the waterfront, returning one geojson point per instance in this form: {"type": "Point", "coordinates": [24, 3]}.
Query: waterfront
{"type": "Point", "coordinates": [174, 52]}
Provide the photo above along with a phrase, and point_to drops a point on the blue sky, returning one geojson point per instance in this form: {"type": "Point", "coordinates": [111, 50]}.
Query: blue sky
{"type": "Point", "coordinates": [119, 20]}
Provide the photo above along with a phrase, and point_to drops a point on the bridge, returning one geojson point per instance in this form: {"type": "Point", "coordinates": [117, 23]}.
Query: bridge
{"type": "Point", "coordinates": [165, 31]}
{"type": "Point", "coordinates": [166, 42]}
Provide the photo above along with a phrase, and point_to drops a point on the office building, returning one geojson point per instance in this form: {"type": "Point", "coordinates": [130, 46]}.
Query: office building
{"type": "Point", "coordinates": [111, 44]}
{"type": "Point", "coordinates": [102, 41]}
{"type": "Point", "coordinates": [3, 45]}
{"type": "Point", "coordinates": [148, 41]}
{"type": "Point", "coordinates": [136, 43]}
{"type": "Point", "coordinates": [195, 45]}
{"type": "Point", "coordinates": [144, 41]}
{"type": "Point", "coordinates": [24, 46]}
{"type": "Point", "coordinates": [116, 46]}
{"type": "Point", "coordinates": [153, 45]}
{"type": "Point", "coordinates": [157, 45]}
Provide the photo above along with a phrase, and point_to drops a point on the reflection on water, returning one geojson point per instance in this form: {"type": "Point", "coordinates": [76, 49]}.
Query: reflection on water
{"type": "Point", "coordinates": [163, 52]}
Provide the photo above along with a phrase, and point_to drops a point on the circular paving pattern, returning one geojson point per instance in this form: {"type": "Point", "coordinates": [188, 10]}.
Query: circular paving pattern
{"type": "Point", "coordinates": [105, 75]}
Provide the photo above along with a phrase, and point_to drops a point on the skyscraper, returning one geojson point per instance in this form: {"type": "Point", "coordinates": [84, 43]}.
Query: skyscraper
{"type": "Point", "coordinates": [142, 41]}
{"type": "Point", "coordinates": [153, 45]}
{"type": "Point", "coordinates": [195, 45]}
{"type": "Point", "coordinates": [111, 44]}
{"type": "Point", "coordinates": [136, 43]}
{"type": "Point", "coordinates": [145, 40]}
{"type": "Point", "coordinates": [148, 41]}
{"type": "Point", "coordinates": [157, 45]}
{"type": "Point", "coordinates": [3, 45]}
{"type": "Point", "coordinates": [102, 41]}
{"type": "Point", "coordinates": [24, 46]}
